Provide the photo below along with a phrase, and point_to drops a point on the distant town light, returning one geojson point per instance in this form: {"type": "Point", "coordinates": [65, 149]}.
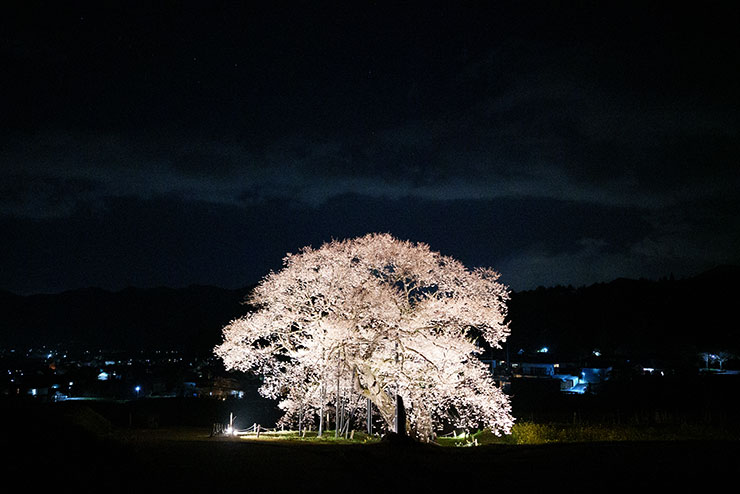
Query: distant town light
{"type": "Point", "coordinates": [544, 349]}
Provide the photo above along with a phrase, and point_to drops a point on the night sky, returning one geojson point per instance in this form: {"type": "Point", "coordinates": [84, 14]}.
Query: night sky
{"type": "Point", "coordinates": [199, 142]}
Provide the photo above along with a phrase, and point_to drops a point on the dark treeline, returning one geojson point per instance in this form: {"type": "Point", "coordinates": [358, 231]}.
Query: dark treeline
{"type": "Point", "coordinates": [667, 319]}
{"type": "Point", "coordinates": [187, 319]}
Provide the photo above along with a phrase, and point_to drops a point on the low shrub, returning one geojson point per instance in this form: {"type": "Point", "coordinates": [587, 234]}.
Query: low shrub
{"type": "Point", "coordinates": [542, 433]}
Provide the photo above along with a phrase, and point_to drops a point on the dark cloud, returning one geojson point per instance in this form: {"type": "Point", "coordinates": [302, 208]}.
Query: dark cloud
{"type": "Point", "coordinates": [130, 241]}
{"type": "Point", "coordinates": [37, 196]}
{"type": "Point", "coordinates": [559, 143]}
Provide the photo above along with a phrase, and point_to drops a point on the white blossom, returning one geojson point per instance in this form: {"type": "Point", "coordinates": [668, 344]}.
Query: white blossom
{"type": "Point", "coordinates": [371, 317]}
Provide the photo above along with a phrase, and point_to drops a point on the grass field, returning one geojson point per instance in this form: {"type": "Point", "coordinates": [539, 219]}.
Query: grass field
{"type": "Point", "coordinates": [83, 454]}
{"type": "Point", "coordinates": [239, 465]}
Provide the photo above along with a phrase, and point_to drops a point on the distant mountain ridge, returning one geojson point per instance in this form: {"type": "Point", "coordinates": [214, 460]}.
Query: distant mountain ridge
{"type": "Point", "coordinates": [623, 317]}
{"type": "Point", "coordinates": [663, 319]}
{"type": "Point", "coordinates": [131, 319]}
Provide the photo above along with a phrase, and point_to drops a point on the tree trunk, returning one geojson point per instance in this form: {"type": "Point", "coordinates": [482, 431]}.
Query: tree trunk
{"type": "Point", "coordinates": [336, 409]}
{"type": "Point", "coordinates": [367, 385]}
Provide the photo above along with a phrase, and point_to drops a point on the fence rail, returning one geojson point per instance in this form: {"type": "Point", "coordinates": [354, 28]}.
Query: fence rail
{"type": "Point", "coordinates": [220, 429]}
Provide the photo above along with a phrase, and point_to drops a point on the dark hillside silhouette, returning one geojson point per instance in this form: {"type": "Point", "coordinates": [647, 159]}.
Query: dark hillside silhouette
{"type": "Point", "coordinates": [132, 319]}
{"type": "Point", "coordinates": [667, 318]}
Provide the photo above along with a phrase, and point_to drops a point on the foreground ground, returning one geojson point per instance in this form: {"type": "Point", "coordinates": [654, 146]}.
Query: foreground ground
{"type": "Point", "coordinates": [45, 456]}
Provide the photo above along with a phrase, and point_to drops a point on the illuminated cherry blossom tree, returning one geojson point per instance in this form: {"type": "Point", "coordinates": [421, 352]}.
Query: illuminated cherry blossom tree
{"type": "Point", "coordinates": [375, 317]}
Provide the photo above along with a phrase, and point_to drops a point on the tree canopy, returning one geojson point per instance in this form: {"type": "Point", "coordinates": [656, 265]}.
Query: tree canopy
{"type": "Point", "coordinates": [375, 317]}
